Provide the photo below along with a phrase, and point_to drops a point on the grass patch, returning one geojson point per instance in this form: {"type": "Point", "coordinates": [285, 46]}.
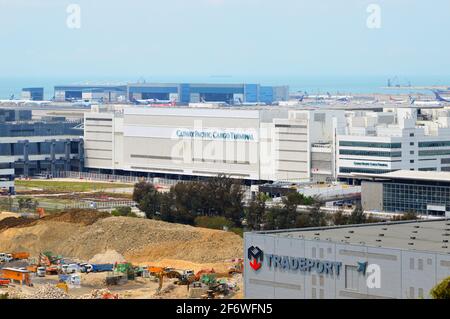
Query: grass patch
{"type": "Point", "coordinates": [68, 187]}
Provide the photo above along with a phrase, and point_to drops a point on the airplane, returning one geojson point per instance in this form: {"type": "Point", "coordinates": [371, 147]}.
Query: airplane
{"type": "Point", "coordinates": [153, 102]}
{"type": "Point", "coordinates": [439, 96]}
{"type": "Point", "coordinates": [413, 101]}
{"type": "Point", "coordinates": [397, 101]}
{"type": "Point", "coordinates": [340, 98]}
{"type": "Point", "coordinates": [17, 102]}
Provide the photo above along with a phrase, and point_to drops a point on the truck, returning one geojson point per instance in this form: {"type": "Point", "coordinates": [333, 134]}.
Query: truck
{"type": "Point", "coordinates": [4, 258]}
{"type": "Point", "coordinates": [70, 269]}
{"type": "Point", "coordinates": [40, 271]}
{"type": "Point", "coordinates": [20, 255]}
{"type": "Point", "coordinates": [97, 268]}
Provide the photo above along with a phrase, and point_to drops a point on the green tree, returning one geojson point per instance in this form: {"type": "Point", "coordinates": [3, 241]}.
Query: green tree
{"type": "Point", "coordinates": [147, 198]}
{"type": "Point", "coordinates": [256, 211]}
{"type": "Point", "coordinates": [339, 218]}
{"type": "Point", "coordinates": [357, 216]}
{"type": "Point", "coordinates": [318, 217]}
{"type": "Point", "coordinates": [441, 290]}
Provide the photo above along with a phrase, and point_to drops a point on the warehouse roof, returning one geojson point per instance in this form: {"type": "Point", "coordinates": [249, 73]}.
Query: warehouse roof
{"type": "Point", "coordinates": [411, 175]}
{"type": "Point", "coordinates": [416, 235]}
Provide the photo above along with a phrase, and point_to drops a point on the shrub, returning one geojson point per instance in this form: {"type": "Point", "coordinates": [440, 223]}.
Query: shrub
{"type": "Point", "coordinates": [442, 290]}
{"type": "Point", "coordinates": [212, 222]}
{"type": "Point", "coordinates": [238, 231]}
{"type": "Point", "coordinates": [123, 211]}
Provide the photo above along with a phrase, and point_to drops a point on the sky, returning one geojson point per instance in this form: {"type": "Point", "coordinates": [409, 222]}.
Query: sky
{"type": "Point", "coordinates": [220, 38]}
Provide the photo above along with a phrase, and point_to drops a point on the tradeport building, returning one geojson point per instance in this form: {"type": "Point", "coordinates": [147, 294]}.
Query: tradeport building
{"type": "Point", "coordinates": [400, 260]}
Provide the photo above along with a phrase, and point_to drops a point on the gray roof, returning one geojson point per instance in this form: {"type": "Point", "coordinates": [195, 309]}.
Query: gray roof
{"type": "Point", "coordinates": [416, 235]}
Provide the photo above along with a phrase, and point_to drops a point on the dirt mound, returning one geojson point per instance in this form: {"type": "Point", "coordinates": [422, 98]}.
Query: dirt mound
{"type": "Point", "coordinates": [108, 257]}
{"type": "Point", "coordinates": [75, 216]}
{"type": "Point", "coordinates": [10, 222]}
{"type": "Point", "coordinates": [86, 234]}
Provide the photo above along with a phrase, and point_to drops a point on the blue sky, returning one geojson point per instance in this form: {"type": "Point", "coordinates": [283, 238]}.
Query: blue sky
{"type": "Point", "coordinates": [224, 37]}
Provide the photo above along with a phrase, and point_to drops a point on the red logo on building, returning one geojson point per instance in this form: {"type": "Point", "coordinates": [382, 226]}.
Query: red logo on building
{"type": "Point", "coordinates": [255, 257]}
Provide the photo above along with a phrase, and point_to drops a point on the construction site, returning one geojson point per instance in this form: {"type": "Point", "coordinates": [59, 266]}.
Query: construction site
{"type": "Point", "coordinates": [90, 254]}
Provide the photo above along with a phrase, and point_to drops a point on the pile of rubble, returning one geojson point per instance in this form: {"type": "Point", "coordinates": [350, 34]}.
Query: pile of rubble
{"type": "Point", "coordinates": [48, 292]}
{"type": "Point", "coordinates": [96, 294]}
{"type": "Point", "coordinates": [45, 292]}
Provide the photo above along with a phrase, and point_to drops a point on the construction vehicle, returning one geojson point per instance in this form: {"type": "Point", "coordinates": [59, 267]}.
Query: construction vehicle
{"type": "Point", "coordinates": [88, 268]}
{"type": "Point", "coordinates": [4, 282]}
{"type": "Point", "coordinates": [40, 271]}
{"type": "Point", "coordinates": [63, 285]}
{"type": "Point", "coordinates": [108, 295]}
{"type": "Point", "coordinates": [41, 212]}
{"type": "Point", "coordinates": [20, 255]}
{"type": "Point", "coordinates": [4, 258]}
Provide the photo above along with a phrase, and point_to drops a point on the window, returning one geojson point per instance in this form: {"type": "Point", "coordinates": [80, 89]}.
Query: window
{"type": "Point", "coordinates": [313, 252]}
{"type": "Point", "coordinates": [411, 134]}
{"type": "Point", "coordinates": [314, 293]}
{"type": "Point", "coordinates": [411, 263]}
{"type": "Point", "coordinates": [370, 153]}
{"type": "Point", "coordinates": [329, 250]}
{"type": "Point", "coordinates": [321, 252]}
{"type": "Point", "coordinates": [434, 153]}
{"type": "Point", "coordinates": [322, 281]}
{"type": "Point", "coordinates": [322, 294]}
{"type": "Point", "coordinates": [370, 144]}
{"type": "Point", "coordinates": [411, 161]}
{"type": "Point", "coordinates": [346, 170]}
{"type": "Point", "coordinates": [411, 143]}
{"type": "Point", "coordinates": [428, 169]}
{"type": "Point", "coordinates": [434, 144]}
{"type": "Point", "coordinates": [411, 292]}
{"type": "Point", "coordinates": [420, 264]}
{"type": "Point", "coordinates": [430, 261]}
{"type": "Point", "coordinates": [420, 292]}
{"type": "Point", "coordinates": [351, 277]}
{"type": "Point", "coordinates": [314, 280]}
{"type": "Point", "coordinates": [411, 152]}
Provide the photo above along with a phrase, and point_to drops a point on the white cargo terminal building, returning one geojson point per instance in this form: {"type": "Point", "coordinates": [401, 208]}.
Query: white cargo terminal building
{"type": "Point", "coordinates": [249, 143]}
{"type": "Point", "coordinates": [388, 260]}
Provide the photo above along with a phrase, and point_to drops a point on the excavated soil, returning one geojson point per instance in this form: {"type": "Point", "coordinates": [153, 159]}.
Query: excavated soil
{"type": "Point", "coordinates": [84, 234]}
{"type": "Point", "coordinates": [10, 222]}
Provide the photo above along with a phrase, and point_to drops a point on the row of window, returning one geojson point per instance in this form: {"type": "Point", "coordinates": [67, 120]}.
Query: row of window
{"type": "Point", "coordinates": [434, 144]}
{"type": "Point", "coordinates": [370, 153]}
{"type": "Point", "coordinates": [370, 144]}
{"type": "Point", "coordinates": [348, 170]}
{"type": "Point", "coordinates": [434, 153]}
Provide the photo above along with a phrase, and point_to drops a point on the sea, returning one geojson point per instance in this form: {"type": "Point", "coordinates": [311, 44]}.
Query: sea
{"type": "Point", "coordinates": [311, 84]}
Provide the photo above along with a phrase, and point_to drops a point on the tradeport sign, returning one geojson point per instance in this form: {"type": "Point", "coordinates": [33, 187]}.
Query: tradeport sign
{"type": "Point", "coordinates": [256, 258]}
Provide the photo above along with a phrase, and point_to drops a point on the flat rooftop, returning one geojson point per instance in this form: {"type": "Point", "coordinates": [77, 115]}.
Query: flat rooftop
{"type": "Point", "coordinates": [409, 175]}
{"type": "Point", "coordinates": [410, 235]}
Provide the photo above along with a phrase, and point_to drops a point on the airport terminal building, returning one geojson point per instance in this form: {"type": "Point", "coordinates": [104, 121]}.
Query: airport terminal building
{"type": "Point", "coordinates": [402, 260]}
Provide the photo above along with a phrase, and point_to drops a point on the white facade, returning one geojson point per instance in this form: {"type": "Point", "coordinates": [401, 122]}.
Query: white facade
{"type": "Point", "coordinates": [353, 262]}
{"type": "Point", "coordinates": [248, 143]}
{"type": "Point", "coordinates": [383, 142]}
